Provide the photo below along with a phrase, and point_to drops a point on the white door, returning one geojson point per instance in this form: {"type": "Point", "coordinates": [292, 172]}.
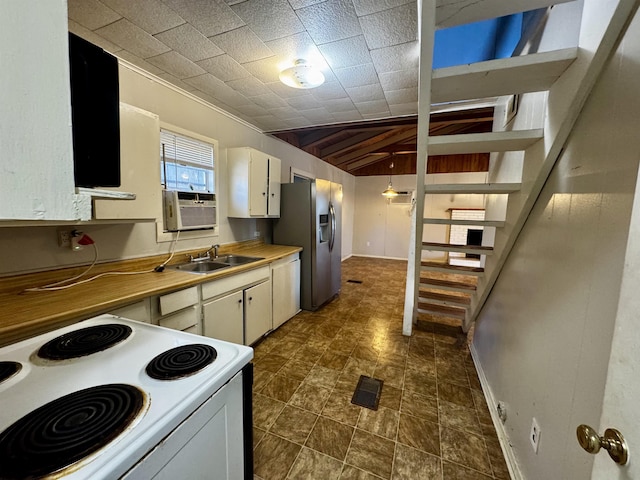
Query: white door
{"type": "Point", "coordinates": [274, 187]}
{"type": "Point", "coordinates": [257, 312]}
{"type": "Point", "coordinates": [223, 318]}
{"type": "Point", "coordinates": [258, 183]}
{"type": "Point", "coordinates": [286, 291]}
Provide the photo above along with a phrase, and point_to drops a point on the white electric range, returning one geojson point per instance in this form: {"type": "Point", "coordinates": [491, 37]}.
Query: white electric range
{"type": "Point", "coordinates": [133, 401]}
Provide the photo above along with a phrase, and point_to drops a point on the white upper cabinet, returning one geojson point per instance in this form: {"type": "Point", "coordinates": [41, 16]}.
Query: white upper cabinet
{"type": "Point", "coordinates": [254, 183]}
{"type": "Point", "coordinates": [140, 168]}
{"type": "Point", "coordinates": [36, 164]}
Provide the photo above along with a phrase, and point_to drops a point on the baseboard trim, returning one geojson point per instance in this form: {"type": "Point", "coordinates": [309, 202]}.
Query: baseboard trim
{"type": "Point", "coordinates": [378, 256]}
{"type": "Point", "coordinates": [503, 438]}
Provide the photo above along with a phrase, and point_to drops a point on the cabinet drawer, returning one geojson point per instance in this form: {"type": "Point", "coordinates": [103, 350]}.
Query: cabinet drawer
{"type": "Point", "coordinates": [183, 320]}
{"type": "Point", "coordinates": [140, 311]}
{"type": "Point", "coordinates": [173, 302]}
{"type": "Point", "coordinates": [235, 282]}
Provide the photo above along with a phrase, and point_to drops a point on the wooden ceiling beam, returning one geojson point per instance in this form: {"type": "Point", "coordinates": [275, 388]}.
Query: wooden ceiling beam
{"type": "Point", "coordinates": [343, 146]}
{"type": "Point", "coordinates": [400, 136]}
{"type": "Point", "coordinates": [366, 161]}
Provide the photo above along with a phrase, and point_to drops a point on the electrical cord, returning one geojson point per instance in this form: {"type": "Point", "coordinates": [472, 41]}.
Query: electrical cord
{"type": "Point", "coordinates": [86, 240]}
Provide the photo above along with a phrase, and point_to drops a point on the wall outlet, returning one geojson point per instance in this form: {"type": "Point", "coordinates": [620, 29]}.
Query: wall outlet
{"type": "Point", "coordinates": [368, 244]}
{"type": "Point", "coordinates": [64, 238]}
{"type": "Point", "coordinates": [256, 234]}
{"type": "Point", "coordinates": [534, 436]}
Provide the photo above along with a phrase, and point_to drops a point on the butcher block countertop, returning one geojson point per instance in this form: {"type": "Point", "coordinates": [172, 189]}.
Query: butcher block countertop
{"type": "Point", "coordinates": [24, 314]}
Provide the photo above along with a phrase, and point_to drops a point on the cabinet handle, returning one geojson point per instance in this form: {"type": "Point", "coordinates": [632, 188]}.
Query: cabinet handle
{"type": "Point", "coordinates": [250, 298]}
{"type": "Point", "coordinates": [239, 301]}
{"type": "Point", "coordinates": [273, 194]}
{"type": "Point", "coordinates": [264, 193]}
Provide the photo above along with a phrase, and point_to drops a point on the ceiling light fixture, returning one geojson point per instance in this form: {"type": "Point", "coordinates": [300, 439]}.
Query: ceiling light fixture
{"type": "Point", "coordinates": [302, 75]}
{"type": "Point", "coordinates": [390, 192]}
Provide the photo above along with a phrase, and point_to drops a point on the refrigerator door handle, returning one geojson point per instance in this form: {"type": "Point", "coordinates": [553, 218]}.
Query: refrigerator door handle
{"type": "Point", "coordinates": [332, 212]}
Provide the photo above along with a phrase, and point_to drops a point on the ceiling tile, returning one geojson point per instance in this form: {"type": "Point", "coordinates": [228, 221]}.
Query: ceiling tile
{"type": "Point", "coordinates": [91, 14]}
{"type": "Point", "coordinates": [285, 91]}
{"type": "Point", "coordinates": [398, 57]}
{"type": "Point", "coordinates": [132, 38]}
{"type": "Point", "coordinates": [367, 93]}
{"type": "Point", "coordinates": [346, 53]}
{"type": "Point", "coordinates": [330, 21]}
{"type": "Point", "coordinates": [269, 100]}
{"type": "Point", "coordinates": [328, 91]}
{"type": "Point", "coordinates": [340, 105]}
{"type": "Point", "coordinates": [92, 37]}
{"type": "Point", "coordinates": [406, 95]}
{"type": "Point", "coordinates": [243, 45]}
{"type": "Point", "coordinates": [376, 116]}
{"type": "Point", "coordinates": [249, 87]}
{"type": "Point", "coordinates": [211, 17]}
{"type": "Point", "coordinates": [296, 4]}
{"type": "Point", "coordinates": [268, 122]}
{"type": "Point", "coordinates": [304, 102]}
{"type": "Point", "coordinates": [367, 7]}
{"type": "Point", "coordinates": [347, 116]}
{"type": "Point", "coordinates": [143, 64]}
{"type": "Point", "coordinates": [177, 65]}
{"type": "Point", "coordinates": [357, 76]}
{"type": "Point", "coordinates": [152, 16]}
{"type": "Point", "coordinates": [265, 70]}
{"type": "Point", "coordinates": [190, 42]}
{"type": "Point", "coordinates": [252, 110]}
{"type": "Point", "coordinates": [399, 80]}
{"type": "Point", "coordinates": [391, 27]}
{"type": "Point", "coordinates": [285, 113]}
{"type": "Point", "coordinates": [298, 46]}
{"type": "Point", "coordinates": [269, 19]}
{"type": "Point", "coordinates": [229, 96]}
{"type": "Point", "coordinates": [207, 83]}
{"type": "Point", "coordinates": [404, 109]}
{"type": "Point", "coordinates": [224, 67]}
{"type": "Point", "coordinates": [177, 82]}
{"type": "Point", "coordinates": [376, 107]}
{"type": "Point", "coordinates": [318, 115]}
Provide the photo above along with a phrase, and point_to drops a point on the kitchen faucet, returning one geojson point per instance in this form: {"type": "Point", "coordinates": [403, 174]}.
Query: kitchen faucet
{"type": "Point", "coordinates": [205, 255]}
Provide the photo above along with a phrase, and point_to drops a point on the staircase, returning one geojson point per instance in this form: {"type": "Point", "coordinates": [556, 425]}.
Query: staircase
{"type": "Point", "coordinates": [453, 295]}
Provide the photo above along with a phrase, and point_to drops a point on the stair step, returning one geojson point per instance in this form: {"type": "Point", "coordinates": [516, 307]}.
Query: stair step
{"type": "Point", "coordinates": [535, 72]}
{"type": "Point", "coordinates": [484, 142]}
{"type": "Point", "coordinates": [480, 188]}
{"type": "Point", "coordinates": [446, 268]}
{"type": "Point", "coordinates": [443, 298]}
{"type": "Point", "coordinates": [449, 221]}
{"type": "Point", "coordinates": [440, 320]}
{"type": "Point", "coordinates": [447, 285]}
{"type": "Point", "coordinates": [449, 247]}
{"type": "Point", "coordinates": [444, 310]}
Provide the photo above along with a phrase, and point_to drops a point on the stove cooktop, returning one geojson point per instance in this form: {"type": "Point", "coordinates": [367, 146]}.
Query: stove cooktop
{"type": "Point", "coordinates": [128, 356]}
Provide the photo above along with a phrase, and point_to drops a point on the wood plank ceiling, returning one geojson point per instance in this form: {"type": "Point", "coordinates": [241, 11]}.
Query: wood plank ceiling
{"type": "Point", "coordinates": [365, 149]}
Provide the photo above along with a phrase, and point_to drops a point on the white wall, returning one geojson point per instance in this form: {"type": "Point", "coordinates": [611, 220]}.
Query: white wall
{"type": "Point", "coordinates": [35, 248]}
{"type": "Point", "coordinates": [382, 229]}
{"type": "Point", "coordinates": [544, 336]}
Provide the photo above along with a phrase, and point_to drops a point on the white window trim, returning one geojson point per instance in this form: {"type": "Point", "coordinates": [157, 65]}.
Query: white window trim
{"type": "Point", "coordinates": [161, 235]}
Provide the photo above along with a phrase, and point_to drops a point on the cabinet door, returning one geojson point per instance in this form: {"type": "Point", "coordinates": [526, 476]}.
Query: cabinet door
{"type": "Point", "coordinates": [274, 187]}
{"type": "Point", "coordinates": [257, 312]}
{"type": "Point", "coordinates": [222, 318]}
{"type": "Point", "coordinates": [140, 168]}
{"type": "Point", "coordinates": [286, 292]}
{"type": "Point", "coordinates": [258, 186]}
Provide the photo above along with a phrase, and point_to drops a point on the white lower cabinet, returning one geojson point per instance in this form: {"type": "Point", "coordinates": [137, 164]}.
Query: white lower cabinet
{"type": "Point", "coordinates": [257, 312]}
{"type": "Point", "coordinates": [223, 318]}
{"type": "Point", "coordinates": [285, 278]}
{"type": "Point", "coordinates": [238, 308]}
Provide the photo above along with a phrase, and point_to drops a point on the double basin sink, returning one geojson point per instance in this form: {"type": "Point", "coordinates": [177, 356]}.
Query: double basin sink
{"type": "Point", "coordinates": [212, 264]}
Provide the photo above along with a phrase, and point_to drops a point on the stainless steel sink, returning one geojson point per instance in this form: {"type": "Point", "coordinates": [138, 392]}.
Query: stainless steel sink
{"type": "Point", "coordinates": [200, 267]}
{"type": "Point", "coordinates": [235, 259]}
{"type": "Point", "coordinates": [213, 264]}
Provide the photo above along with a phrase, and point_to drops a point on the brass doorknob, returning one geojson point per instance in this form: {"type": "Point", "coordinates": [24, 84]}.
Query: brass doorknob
{"type": "Point", "coordinates": [612, 441]}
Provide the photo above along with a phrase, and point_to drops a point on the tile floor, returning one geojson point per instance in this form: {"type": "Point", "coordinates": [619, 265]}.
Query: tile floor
{"type": "Point", "coordinates": [432, 421]}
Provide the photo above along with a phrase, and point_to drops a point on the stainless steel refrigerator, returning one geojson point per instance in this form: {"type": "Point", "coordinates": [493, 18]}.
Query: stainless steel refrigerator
{"type": "Point", "coordinates": [311, 217]}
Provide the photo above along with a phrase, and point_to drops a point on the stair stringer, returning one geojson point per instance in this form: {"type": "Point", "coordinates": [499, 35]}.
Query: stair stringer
{"type": "Point", "coordinates": [562, 104]}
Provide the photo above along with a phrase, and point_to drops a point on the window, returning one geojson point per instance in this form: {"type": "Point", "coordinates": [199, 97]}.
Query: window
{"type": "Point", "coordinates": [186, 164]}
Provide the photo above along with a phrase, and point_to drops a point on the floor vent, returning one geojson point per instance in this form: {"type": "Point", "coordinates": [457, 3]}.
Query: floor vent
{"type": "Point", "coordinates": [367, 392]}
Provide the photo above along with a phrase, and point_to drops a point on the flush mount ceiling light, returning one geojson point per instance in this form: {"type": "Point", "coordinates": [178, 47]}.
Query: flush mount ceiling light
{"type": "Point", "coordinates": [302, 75]}
{"type": "Point", "coordinates": [390, 192]}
